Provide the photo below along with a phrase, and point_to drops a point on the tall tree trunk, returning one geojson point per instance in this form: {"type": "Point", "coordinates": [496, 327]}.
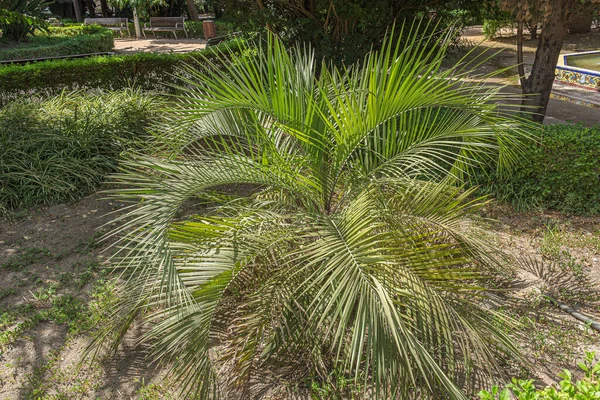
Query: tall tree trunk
{"type": "Point", "coordinates": [193, 10]}
{"type": "Point", "coordinates": [91, 8]}
{"type": "Point", "coordinates": [538, 85]}
{"type": "Point", "coordinates": [105, 9]}
{"type": "Point", "coordinates": [533, 32]}
{"type": "Point", "coordinates": [78, 14]}
{"type": "Point", "coordinates": [136, 24]}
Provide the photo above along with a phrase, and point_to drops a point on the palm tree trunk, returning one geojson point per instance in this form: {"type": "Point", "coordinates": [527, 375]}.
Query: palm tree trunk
{"type": "Point", "coordinates": [78, 14]}
{"type": "Point", "coordinates": [193, 10]}
{"type": "Point", "coordinates": [136, 24]}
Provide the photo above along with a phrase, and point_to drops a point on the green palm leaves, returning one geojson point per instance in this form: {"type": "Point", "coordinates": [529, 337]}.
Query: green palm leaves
{"type": "Point", "coordinates": [335, 232]}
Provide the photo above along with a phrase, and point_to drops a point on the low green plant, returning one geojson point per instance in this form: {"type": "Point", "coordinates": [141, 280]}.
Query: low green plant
{"type": "Point", "coordinates": [61, 148]}
{"type": "Point", "coordinates": [62, 41]}
{"type": "Point", "coordinates": [26, 256]}
{"type": "Point", "coordinates": [586, 388]}
{"type": "Point", "coordinates": [560, 171]}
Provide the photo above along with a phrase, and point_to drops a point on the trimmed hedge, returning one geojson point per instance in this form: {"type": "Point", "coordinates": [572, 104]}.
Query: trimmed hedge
{"type": "Point", "coordinates": [560, 172]}
{"type": "Point", "coordinates": [146, 71]}
{"type": "Point", "coordinates": [62, 41]}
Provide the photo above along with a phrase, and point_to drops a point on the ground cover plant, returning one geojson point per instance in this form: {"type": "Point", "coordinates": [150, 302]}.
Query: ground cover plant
{"type": "Point", "coordinates": [61, 148]}
{"type": "Point", "coordinates": [347, 248]}
{"type": "Point", "coordinates": [560, 171]}
{"type": "Point", "coordinates": [60, 41]}
{"type": "Point", "coordinates": [587, 388]}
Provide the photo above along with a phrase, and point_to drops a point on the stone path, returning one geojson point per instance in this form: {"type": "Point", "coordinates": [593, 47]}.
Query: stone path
{"type": "Point", "coordinates": [158, 45]}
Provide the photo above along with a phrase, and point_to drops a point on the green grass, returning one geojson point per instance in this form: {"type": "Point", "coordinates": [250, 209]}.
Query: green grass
{"type": "Point", "coordinates": [25, 258]}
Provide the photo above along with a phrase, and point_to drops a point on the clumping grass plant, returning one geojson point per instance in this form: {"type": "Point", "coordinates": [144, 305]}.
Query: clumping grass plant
{"type": "Point", "coordinates": [335, 233]}
{"type": "Point", "coordinates": [62, 148]}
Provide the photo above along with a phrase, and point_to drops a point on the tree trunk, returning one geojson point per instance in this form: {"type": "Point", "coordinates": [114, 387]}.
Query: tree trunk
{"type": "Point", "coordinates": [105, 9]}
{"type": "Point", "coordinates": [193, 10]}
{"type": "Point", "coordinates": [78, 14]}
{"type": "Point", "coordinates": [91, 8]}
{"type": "Point", "coordinates": [538, 85]}
{"type": "Point", "coordinates": [136, 24]}
{"type": "Point", "coordinates": [533, 31]}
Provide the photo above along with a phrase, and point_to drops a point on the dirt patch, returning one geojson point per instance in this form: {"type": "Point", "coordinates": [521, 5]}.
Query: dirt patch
{"type": "Point", "coordinates": [52, 262]}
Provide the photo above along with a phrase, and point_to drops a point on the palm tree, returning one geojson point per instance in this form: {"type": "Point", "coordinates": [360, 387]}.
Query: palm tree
{"type": "Point", "coordinates": [334, 233]}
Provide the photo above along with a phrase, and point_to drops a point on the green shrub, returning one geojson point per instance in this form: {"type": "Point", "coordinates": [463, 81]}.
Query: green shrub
{"type": "Point", "coordinates": [491, 27]}
{"type": "Point", "coordinates": [561, 172]}
{"type": "Point", "coordinates": [60, 149]}
{"type": "Point", "coordinates": [147, 71]}
{"type": "Point", "coordinates": [62, 41]}
{"type": "Point", "coordinates": [587, 388]}
{"type": "Point", "coordinates": [19, 18]}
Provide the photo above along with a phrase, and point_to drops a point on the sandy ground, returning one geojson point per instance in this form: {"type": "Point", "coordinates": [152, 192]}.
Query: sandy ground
{"type": "Point", "coordinates": [158, 45]}
{"type": "Point", "coordinates": [43, 359]}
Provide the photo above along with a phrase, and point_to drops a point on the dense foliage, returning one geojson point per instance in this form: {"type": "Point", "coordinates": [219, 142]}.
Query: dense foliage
{"type": "Point", "coordinates": [147, 71]}
{"type": "Point", "coordinates": [19, 18]}
{"type": "Point", "coordinates": [62, 148]}
{"type": "Point", "coordinates": [560, 171]}
{"type": "Point", "coordinates": [587, 388]}
{"type": "Point", "coordinates": [62, 41]}
{"type": "Point", "coordinates": [341, 30]}
{"type": "Point", "coordinates": [347, 247]}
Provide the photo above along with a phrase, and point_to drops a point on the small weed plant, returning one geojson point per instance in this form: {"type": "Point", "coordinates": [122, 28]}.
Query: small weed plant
{"type": "Point", "coordinates": [586, 388]}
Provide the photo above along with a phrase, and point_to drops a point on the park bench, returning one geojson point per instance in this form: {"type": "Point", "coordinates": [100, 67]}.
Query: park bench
{"type": "Point", "coordinates": [165, 24]}
{"type": "Point", "coordinates": [114, 24]}
{"type": "Point", "coordinates": [218, 39]}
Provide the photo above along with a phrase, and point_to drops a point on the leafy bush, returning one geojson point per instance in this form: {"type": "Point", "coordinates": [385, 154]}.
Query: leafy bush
{"type": "Point", "coordinates": [62, 41]}
{"type": "Point", "coordinates": [560, 171]}
{"type": "Point", "coordinates": [587, 388]}
{"type": "Point", "coordinates": [491, 27]}
{"type": "Point", "coordinates": [195, 28]}
{"type": "Point", "coordinates": [148, 71]}
{"type": "Point", "coordinates": [61, 149]}
{"type": "Point", "coordinates": [19, 18]}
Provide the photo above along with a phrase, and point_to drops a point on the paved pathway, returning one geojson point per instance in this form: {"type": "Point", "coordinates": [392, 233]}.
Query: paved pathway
{"type": "Point", "coordinates": [160, 45]}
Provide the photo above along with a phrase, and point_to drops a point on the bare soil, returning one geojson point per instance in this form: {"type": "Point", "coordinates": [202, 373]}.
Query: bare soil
{"type": "Point", "coordinates": [42, 360]}
{"type": "Point", "coordinates": [57, 251]}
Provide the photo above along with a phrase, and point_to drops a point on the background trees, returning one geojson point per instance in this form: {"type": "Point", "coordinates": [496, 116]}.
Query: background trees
{"type": "Point", "coordinates": [343, 30]}
{"type": "Point", "coordinates": [19, 18]}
